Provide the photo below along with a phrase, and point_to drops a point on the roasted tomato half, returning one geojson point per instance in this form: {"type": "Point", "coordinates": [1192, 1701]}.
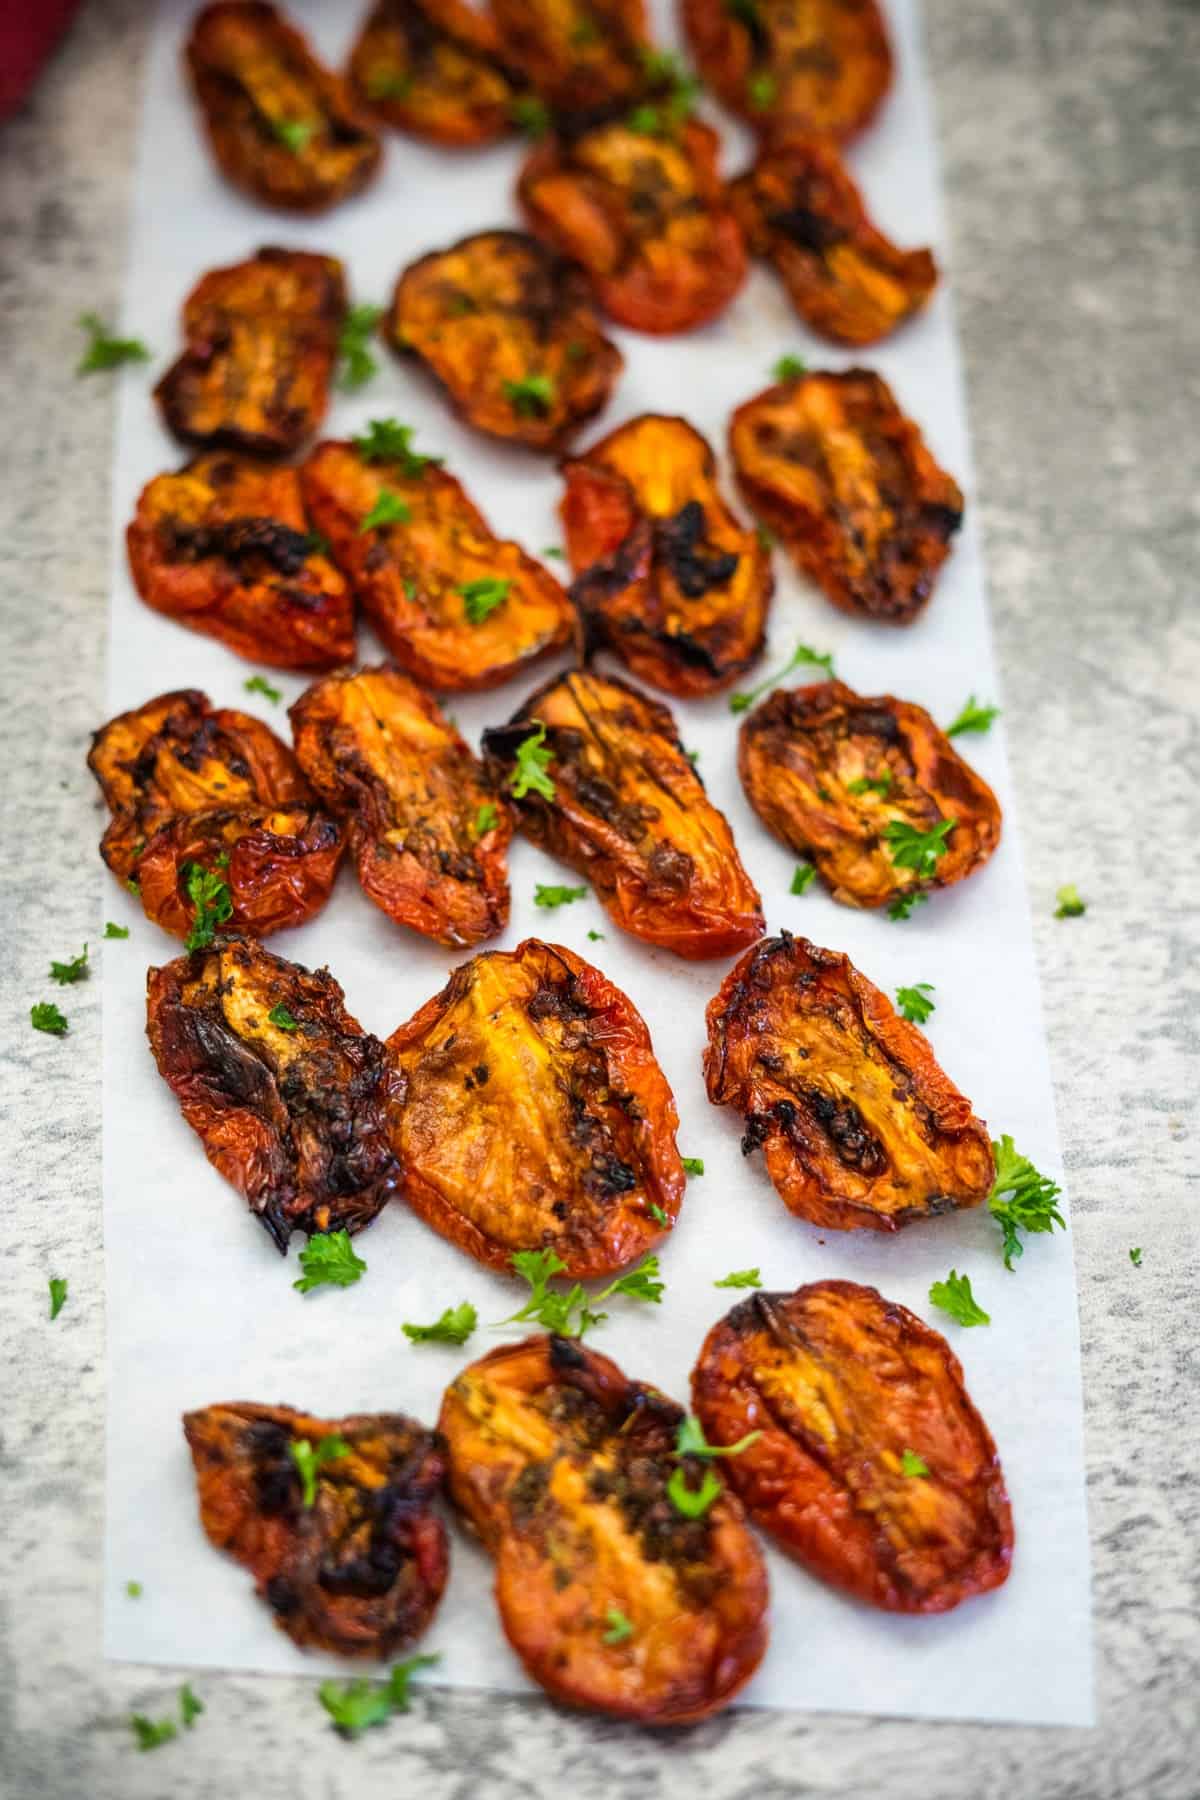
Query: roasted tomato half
{"type": "Point", "coordinates": [286, 1091]}
{"type": "Point", "coordinates": [870, 790]}
{"type": "Point", "coordinates": [584, 57]}
{"type": "Point", "coordinates": [433, 67]}
{"type": "Point", "coordinates": [224, 548]}
{"type": "Point", "coordinates": [193, 787]}
{"type": "Point", "coordinates": [821, 65]}
{"type": "Point", "coordinates": [858, 1125]}
{"type": "Point", "coordinates": [456, 606]}
{"type": "Point", "coordinates": [510, 331]}
{"type": "Point", "coordinates": [261, 340]}
{"type": "Point", "coordinates": [645, 213]}
{"type": "Point", "coordinates": [282, 127]}
{"type": "Point", "coordinates": [799, 208]}
{"type": "Point", "coordinates": [666, 577]}
{"type": "Point", "coordinates": [620, 802]}
{"type": "Point", "coordinates": [534, 1116]}
{"type": "Point", "coordinates": [845, 480]}
{"type": "Point", "coordinates": [611, 1597]}
{"type": "Point", "coordinates": [873, 1468]}
{"type": "Point", "coordinates": [355, 1565]}
{"type": "Point", "coordinates": [428, 831]}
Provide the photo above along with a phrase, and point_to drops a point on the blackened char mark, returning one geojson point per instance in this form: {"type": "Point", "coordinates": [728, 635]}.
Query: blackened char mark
{"type": "Point", "coordinates": [681, 543]}
{"type": "Point", "coordinates": [806, 229]}
{"type": "Point", "coordinates": [238, 540]}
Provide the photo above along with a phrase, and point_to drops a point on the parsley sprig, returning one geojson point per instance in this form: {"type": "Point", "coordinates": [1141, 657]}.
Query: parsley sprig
{"type": "Point", "coordinates": [903, 905]}
{"type": "Point", "coordinates": [1070, 906]}
{"type": "Point", "coordinates": [917, 850]}
{"type": "Point", "coordinates": [45, 1016]}
{"type": "Point", "coordinates": [389, 509]}
{"type": "Point", "coordinates": [550, 897]}
{"type": "Point", "coordinates": [803, 878]}
{"type": "Point", "coordinates": [357, 365]}
{"type": "Point", "coordinates": [1022, 1199]}
{"type": "Point", "coordinates": [454, 1327]}
{"type": "Point", "coordinates": [693, 1165]}
{"type": "Point", "coordinates": [566, 1312]}
{"type": "Point", "coordinates": [309, 1462]}
{"type": "Point", "coordinates": [115, 931]}
{"type": "Point", "coordinates": [803, 656]}
{"type": "Point", "coordinates": [210, 896]}
{"type": "Point", "coordinates": [386, 440]}
{"type": "Point", "coordinates": [355, 1705]}
{"type": "Point", "coordinates": [258, 684]}
{"type": "Point", "coordinates": [105, 351]}
{"type": "Point", "coordinates": [914, 1002]}
{"type": "Point", "coordinates": [58, 1294]}
{"type": "Point", "coordinates": [532, 761]}
{"type": "Point", "coordinates": [482, 597]}
{"type": "Point", "coordinates": [65, 973]}
{"type": "Point", "coordinates": [973, 717]}
{"type": "Point", "coordinates": [486, 819]}
{"type": "Point", "coordinates": [740, 1278]}
{"type": "Point", "coordinates": [788, 368]}
{"type": "Point", "coordinates": [690, 1440]}
{"type": "Point", "coordinates": [954, 1296]}
{"type": "Point", "coordinates": [329, 1259]}
{"type": "Point", "coordinates": [532, 397]}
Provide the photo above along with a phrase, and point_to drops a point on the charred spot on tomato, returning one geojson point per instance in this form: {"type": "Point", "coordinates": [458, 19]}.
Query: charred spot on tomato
{"type": "Point", "coordinates": [843, 1388]}
{"type": "Point", "coordinates": [859, 1125]}
{"type": "Point", "coordinates": [839, 778]}
{"type": "Point", "coordinates": [568, 1143]}
{"type": "Point", "coordinates": [434, 68]}
{"type": "Point", "coordinates": [584, 58]}
{"type": "Point", "coordinates": [356, 1567]}
{"type": "Point", "coordinates": [562, 1465]}
{"type": "Point", "coordinates": [824, 66]}
{"type": "Point", "coordinates": [293, 1118]}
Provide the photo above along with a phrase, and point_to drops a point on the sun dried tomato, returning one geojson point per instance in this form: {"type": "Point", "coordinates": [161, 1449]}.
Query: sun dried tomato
{"type": "Point", "coordinates": [858, 1125]}
{"type": "Point", "coordinates": [869, 789]}
{"type": "Point", "coordinates": [821, 65]}
{"type": "Point", "coordinates": [626, 809]}
{"type": "Point", "coordinates": [428, 831]}
{"type": "Point", "coordinates": [534, 1115]}
{"type": "Point", "coordinates": [284, 1088]}
{"type": "Point", "coordinates": [190, 786]}
{"type": "Point", "coordinates": [846, 481]}
{"type": "Point", "coordinates": [851, 1392]}
{"type": "Point", "coordinates": [282, 126]}
{"type": "Point", "coordinates": [261, 342]}
{"type": "Point", "coordinates": [611, 1597]}
{"type": "Point", "coordinates": [584, 57]}
{"type": "Point", "coordinates": [359, 1569]}
{"type": "Point", "coordinates": [644, 211]}
{"type": "Point", "coordinates": [799, 208]}
{"type": "Point", "coordinates": [666, 576]}
{"type": "Point", "coordinates": [224, 548]}
{"type": "Point", "coordinates": [434, 68]}
{"type": "Point", "coordinates": [510, 331]}
{"type": "Point", "coordinates": [456, 606]}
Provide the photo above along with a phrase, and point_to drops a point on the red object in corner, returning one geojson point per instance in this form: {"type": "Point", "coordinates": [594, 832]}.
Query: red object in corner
{"type": "Point", "coordinates": [28, 33]}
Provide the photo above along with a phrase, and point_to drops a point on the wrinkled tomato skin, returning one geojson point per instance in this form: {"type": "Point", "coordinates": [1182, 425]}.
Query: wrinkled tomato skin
{"type": "Point", "coordinates": [846, 482]}
{"type": "Point", "coordinates": [494, 311]}
{"type": "Point", "coordinates": [859, 1126]}
{"type": "Point", "coordinates": [803, 751]}
{"type": "Point", "coordinates": [799, 209]}
{"type": "Point", "coordinates": [362, 1570]}
{"type": "Point", "coordinates": [281, 868]}
{"type": "Point", "coordinates": [261, 341]}
{"type": "Point", "coordinates": [293, 1116]}
{"type": "Point", "coordinates": [841, 1382]}
{"type": "Point", "coordinates": [585, 58]}
{"type": "Point", "coordinates": [382, 755]}
{"type": "Point", "coordinates": [665, 575]}
{"type": "Point", "coordinates": [224, 548]}
{"type": "Point", "coordinates": [441, 61]}
{"type": "Point", "coordinates": [409, 575]}
{"type": "Point", "coordinates": [254, 76]}
{"type": "Point", "coordinates": [560, 1463]}
{"type": "Point", "coordinates": [630, 814]}
{"type": "Point", "coordinates": [826, 65]}
{"type": "Point", "coordinates": [534, 1115]}
{"type": "Point", "coordinates": [646, 216]}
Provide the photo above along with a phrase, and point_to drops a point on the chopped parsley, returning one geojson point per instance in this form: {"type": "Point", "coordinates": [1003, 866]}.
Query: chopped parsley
{"type": "Point", "coordinates": [149, 1734]}
{"type": "Point", "coordinates": [531, 398]}
{"type": "Point", "coordinates": [658, 1215]}
{"type": "Point", "coordinates": [802, 656]}
{"type": "Point", "coordinates": [258, 684]}
{"type": "Point", "coordinates": [389, 84]}
{"type": "Point", "coordinates": [693, 1503]}
{"type": "Point", "coordinates": [903, 905]}
{"type": "Point", "coordinates": [297, 134]}
{"type": "Point", "coordinates": [550, 897]}
{"type": "Point", "coordinates": [389, 509]}
{"type": "Point", "coordinates": [105, 351]}
{"type": "Point", "coordinates": [355, 1705]}
{"type": "Point", "coordinates": [789, 367]}
{"type": "Point", "coordinates": [693, 1165]}
{"type": "Point", "coordinates": [803, 878]}
{"type": "Point", "coordinates": [310, 1462]}
{"type": "Point", "coordinates": [357, 365]}
{"type": "Point", "coordinates": [329, 1260]}
{"type": "Point", "coordinates": [740, 1278]}
{"type": "Point", "coordinates": [486, 819]}
{"type": "Point", "coordinates": [134, 1589]}
{"type": "Point", "coordinates": [115, 931]}
{"type": "Point", "coordinates": [595, 937]}
{"type": "Point", "coordinates": [482, 597]}
{"type": "Point", "coordinates": [1021, 1199]}
{"type": "Point", "coordinates": [454, 1327]}
{"type": "Point", "coordinates": [761, 90]}
{"type": "Point", "coordinates": [954, 1296]}
{"type": "Point", "coordinates": [553, 550]}
{"type": "Point", "coordinates": [1070, 906]}
{"type": "Point", "coordinates": [386, 440]}
{"type": "Point", "coordinates": [533, 760]}
{"type": "Point", "coordinates": [285, 1020]}
{"type": "Point", "coordinates": [45, 1016]}
{"type": "Point", "coordinates": [917, 850]}
{"type": "Point", "coordinates": [914, 1002]}
{"type": "Point", "coordinates": [911, 1464]}
{"type": "Point", "coordinates": [566, 1312]}
{"type": "Point", "coordinates": [1135, 1257]}
{"type": "Point", "coordinates": [663, 118]}
{"type": "Point", "coordinates": [65, 973]}
{"type": "Point", "coordinates": [58, 1294]}
{"type": "Point", "coordinates": [973, 717]}
{"type": "Point", "coordinates": [530, 115]}
{"type": "Point", "coordinates": [618, 1626]}
{"type": "Point", "coordinates": [213, 902]}
{"type": "Point", "coordinates": [872, 784]}
{"type": "Point", "coordinates": [190, 1705]}
{"type": "Point", "coordinates": [691, 1441]}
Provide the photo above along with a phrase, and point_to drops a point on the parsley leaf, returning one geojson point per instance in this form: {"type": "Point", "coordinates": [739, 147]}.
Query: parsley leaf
{"type": "Point", "coordinates": [567, 1313]}
{"type": "Point", "coordinates": [134, 1589]}
{"type": "Point", "coordinates": [329, 1260]}
{"type": "Point", "coordinates": [911, 1464]}
{"type": "Point", "coordinates": [1070, 906]}
{"type": "Point", "coordinates": [45, 1016]}
{"type": "Point", "coordinates": [550, 897]}
{"type": "Point", "coordinates": [355, 1705]}
{"type": "Point", "coordinates": [285, 1020]}
{"type": "Point", "coordinates": [619, 1627]}
{"type": "Point", "coordinates": [954, 1296]}
{"type": "Point", "coordinates": [973, 717]}
{"type": "Point", "coordinates": [58, 1294]}
{"type": "Point", "coordinates": [389, 84]}
{"type": "Point", "coordinates": [917, 850]}
{"type": "Point", "coordinates": [190, 1705]}
{"type": "Point", "coordinates": [482, 597]}
{"type": "Point", "coordinates": [454, 1327]}
{"type": "Point", "coordinates": [151, 1733]}
{"type": "Point", "coordinates": [554, 550]}
{"type": "Point", "coordinates": [691, 1441]}
{"type": "Point", "coordinates": [115, 931]}
{"type": "Point", "coordinates": [789, 367]}
{"type": "Point", "coordinates": [258, 684]}
{"type": "Point", "coordinates": [357, 365]}
{"type": "Point", "coordinates": [309, 1462]}
{"type": "Point", "coordinates": [105, 351]}
{"type": "Point", "coordinates": [664, 117]}
{"type": "Point", "coordinates": [761, 90]}
{"type": "Point", "coordinates": [295, 133]}
{"type": "Point", "coordinates": [67, 972]}
{"type": "Point", "coordinates": [389, 509]}
{"type": "Point", "coordinates": [213, 903]}
{"type": "Point", "coordinates": [658, 1215]}
{"type": "Point", "coordinates": [803, 879]}
{"type": "Point", "coordinates": [914, 1002]}
{"type": "Point", "coordinates": [693, 1165]}
{"type": "Point", "coordinates": [386, 440]}
{"type": "Point", "coordinates": [530, 115]}
{"type": "Point", "coordinates": [486, 819]}
{"type": "Point", "coordinates": [595, 937]}
{"type": "Point", "coordinates": [868, 784]}
{"type": "Point", "coordinates": [531, 398]}
{"type": "Point", "coordinates": [1135, 1257]}
{"type": "Point", "coordinates": [902, 906]}
{"type": "Point", "coordinates": [803, 655]}
{"type": "Point", "coordinates": [1021, 1199]}
{"type": "Point", "coordinates": [740, 1278]}
{"type": "Point", "coordinates": [693, 1503]}
{"type": "Point", "coordinates": [533, 760]}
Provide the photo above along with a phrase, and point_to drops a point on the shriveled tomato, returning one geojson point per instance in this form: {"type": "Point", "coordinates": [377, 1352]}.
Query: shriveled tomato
{"type": "Point", "coordinates": [584, 57]}
{"type": "Point", "coordinates": [799, 208]}
{"type": "Point", "coordinates": [261, 342]}
{"type": "Point", "coordinates": [534, 1115]}
{"type": "Point", "coordinates": [858, 1125]}
{"type": "Point", "coordinates": [611, 1597]}
{"type": "Point", "coordinates": [455, 605]}
{"type": "Point", "coordinates": [641, 206]}
{"type": "Point", "coordinates": [870, 789]}
{"type": "Point", "coordinates": [428, 830]}
{"type": "Point", "coordinates": [873, 1468]}
{"type": "Point", "coordinates": [284, 1088]}
{"type": "Point", "coordinates": [510, 331]}
{"type": "Point", "coordinates": [666, 576]}
{"type": "Point", "coordinates": [192, 787]}
{"type": "Point", "coordinates": [223, 547]}
{"type": "Point", "coordinates": [433, 67]}
{"type": "Point", "coordinates": [620, 801]}
{"type": "Point", "coordinates": [822, 65]}
{"type": "Point", "coordinates": [847, 483]}
{"type": "Point", "coordinates": [358, 1566]}
{"type": "Point", "coordinates": [281, 126]}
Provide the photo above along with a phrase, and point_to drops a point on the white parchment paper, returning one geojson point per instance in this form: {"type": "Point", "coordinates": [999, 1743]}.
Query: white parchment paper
{"type": "Point", "coordinates": [201, 1307]}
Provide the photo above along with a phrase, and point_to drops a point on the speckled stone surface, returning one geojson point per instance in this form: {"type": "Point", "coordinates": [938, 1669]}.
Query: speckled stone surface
{"type": "Point", "coordinates": [1071, 148]}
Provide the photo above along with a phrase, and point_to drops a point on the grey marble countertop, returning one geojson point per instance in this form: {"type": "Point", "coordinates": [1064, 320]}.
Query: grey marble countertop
{"type": "Point", "coordinates": [1071, 147]}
